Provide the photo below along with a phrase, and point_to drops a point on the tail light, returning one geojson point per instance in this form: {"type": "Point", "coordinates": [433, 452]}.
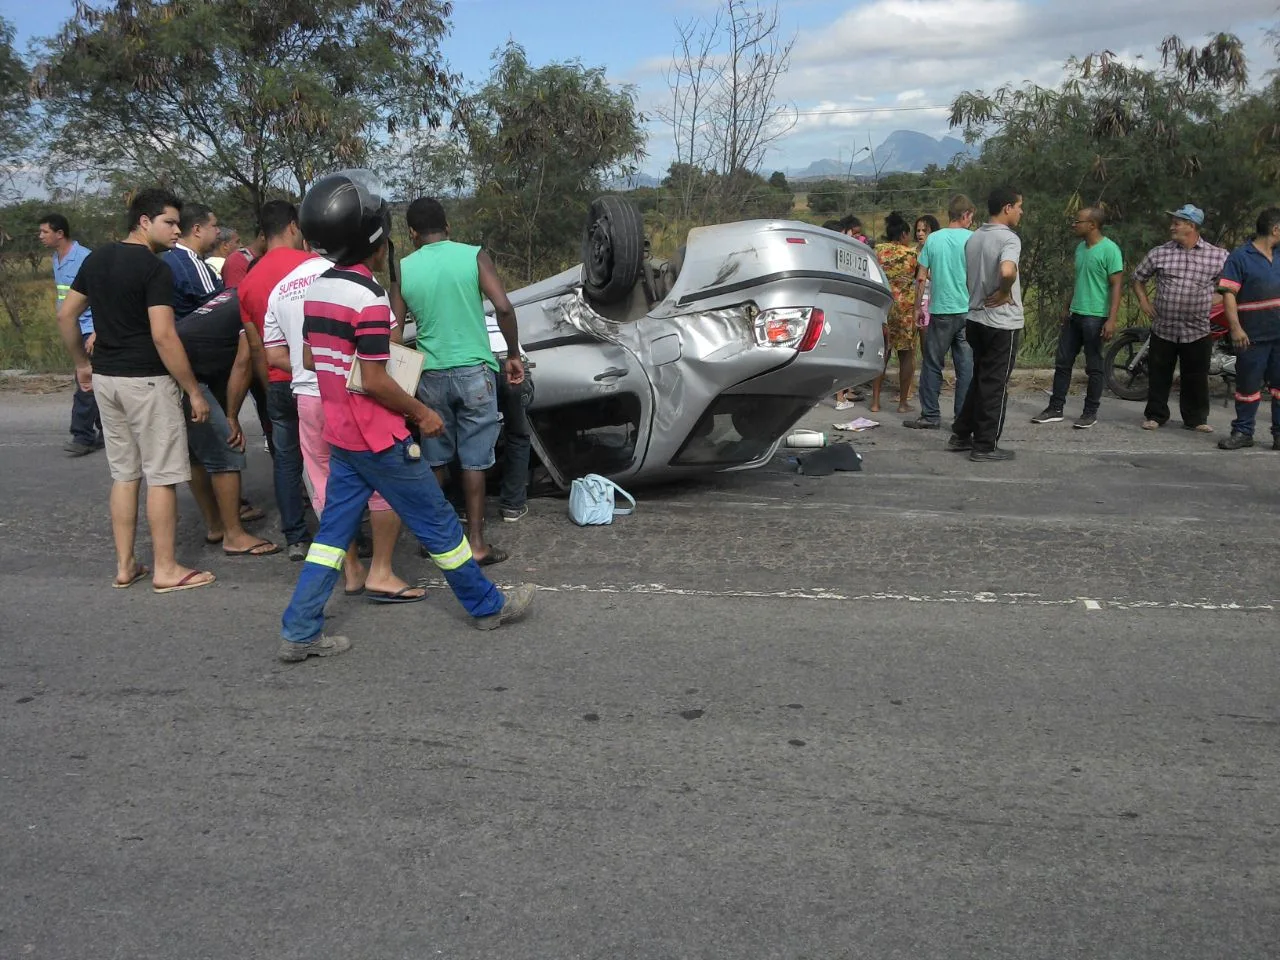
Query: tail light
{"type": "Point", "coordinates": [796, 327]}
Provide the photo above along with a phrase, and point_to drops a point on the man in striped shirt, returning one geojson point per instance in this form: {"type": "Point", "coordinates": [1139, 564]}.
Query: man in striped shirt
{"type": "Point", "coordinates": [348, 321]}
{"type": "Point", "coordinates": [194, 281]}
{"type": "Point", "coordinates": [283, 320]}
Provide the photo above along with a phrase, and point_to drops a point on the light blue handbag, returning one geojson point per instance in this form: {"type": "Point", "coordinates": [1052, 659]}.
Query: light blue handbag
{"type": "Point", "coordinates": [591, 501]}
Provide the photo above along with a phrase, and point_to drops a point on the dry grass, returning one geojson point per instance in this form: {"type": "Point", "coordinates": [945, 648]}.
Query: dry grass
{"type": "Point", "coordinates": [35, 344]}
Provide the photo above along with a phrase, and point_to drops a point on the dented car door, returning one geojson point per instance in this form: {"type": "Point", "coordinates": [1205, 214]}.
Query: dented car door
{"type": "Point", "coordinates": [595, 406]}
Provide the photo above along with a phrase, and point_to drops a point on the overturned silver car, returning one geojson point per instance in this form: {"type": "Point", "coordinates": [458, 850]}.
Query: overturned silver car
{"type": "Point", "coordinates": [655, 369]}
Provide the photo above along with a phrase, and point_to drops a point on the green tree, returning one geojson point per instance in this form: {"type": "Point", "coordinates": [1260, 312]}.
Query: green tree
{"type": "Point", "coordinates": [1133, 139]}
{"type": "Point", "coordinates": [424, 163]}
{"type": "Point", "coordinates": [906, 192]}
{"type": "Point", "coordinates": [15, 104]}
{"type": "Point", "coordinates": [540, 142]}
{"type": "Point", "coordinates": [15, 140]}
{"type": "Point", "coordinates": [749, 195]}
{"type": "Point", "coordinates": [830, 196]}
{"type": "Point", "coordinates": [258, 96]}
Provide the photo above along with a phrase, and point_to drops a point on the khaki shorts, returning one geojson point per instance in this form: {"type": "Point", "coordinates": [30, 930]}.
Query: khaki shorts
{"type": "Point", "coordinates": [144, 428]}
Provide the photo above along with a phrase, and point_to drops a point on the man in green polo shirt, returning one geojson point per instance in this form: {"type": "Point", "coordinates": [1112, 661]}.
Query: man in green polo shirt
{"type": "Point", "coordinates": [444, 285]}
{"type": "Point", "coordinates": [942, 268]}
{"type": "Point", "coordinates": [1092, 322]}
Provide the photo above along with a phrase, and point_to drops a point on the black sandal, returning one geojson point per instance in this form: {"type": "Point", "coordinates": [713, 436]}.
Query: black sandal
{"type": "Point", "coordinates": [495, 555]}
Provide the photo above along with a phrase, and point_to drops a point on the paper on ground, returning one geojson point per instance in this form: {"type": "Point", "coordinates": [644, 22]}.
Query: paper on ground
{"type": "Point", "coordinates": [857, 426]}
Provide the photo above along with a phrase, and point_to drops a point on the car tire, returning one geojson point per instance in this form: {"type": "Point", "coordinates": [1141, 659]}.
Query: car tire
{"type": "Point", "coordinates": [612, 249]}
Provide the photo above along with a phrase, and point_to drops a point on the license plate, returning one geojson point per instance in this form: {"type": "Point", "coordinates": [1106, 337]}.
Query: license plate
{"type": "Point", "coordinates": [849, 262]}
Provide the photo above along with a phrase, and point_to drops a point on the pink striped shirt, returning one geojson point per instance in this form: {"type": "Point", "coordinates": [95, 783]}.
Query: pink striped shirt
{"type": "Point", "coordinates": [348, 317]}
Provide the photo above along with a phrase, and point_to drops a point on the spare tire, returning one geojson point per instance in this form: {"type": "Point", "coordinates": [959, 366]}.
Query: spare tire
{"type": "Point", "coordinates": [612, 249]}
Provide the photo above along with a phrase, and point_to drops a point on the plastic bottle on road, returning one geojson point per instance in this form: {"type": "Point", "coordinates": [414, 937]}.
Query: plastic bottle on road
{"type": "Point", "coordinates": [807, 438]}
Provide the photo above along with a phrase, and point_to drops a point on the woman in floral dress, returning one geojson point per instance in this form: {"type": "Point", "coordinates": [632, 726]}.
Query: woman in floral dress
{"type": "Point", "coordinates": [898, 260]}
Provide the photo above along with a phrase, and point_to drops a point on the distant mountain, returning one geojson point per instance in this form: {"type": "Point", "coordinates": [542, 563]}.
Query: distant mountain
{"type": "Point", "coordinates": [903, 151]}
{"type": "Point", "coordinates": [819, 170]}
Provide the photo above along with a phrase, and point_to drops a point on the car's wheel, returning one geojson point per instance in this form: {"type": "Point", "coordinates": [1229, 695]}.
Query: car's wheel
{"type": "Point", "coordinates": [612, 249]}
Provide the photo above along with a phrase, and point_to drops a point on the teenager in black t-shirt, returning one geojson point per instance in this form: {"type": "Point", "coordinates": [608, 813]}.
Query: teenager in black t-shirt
{"type": "Point", "coordinates": [124, 280]}
{"type": "Point", "coordinates": [137, 369]}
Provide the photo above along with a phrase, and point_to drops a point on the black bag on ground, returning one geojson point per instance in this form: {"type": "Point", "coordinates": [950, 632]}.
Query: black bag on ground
{"type": "Point", "coordinates": [824, 462]}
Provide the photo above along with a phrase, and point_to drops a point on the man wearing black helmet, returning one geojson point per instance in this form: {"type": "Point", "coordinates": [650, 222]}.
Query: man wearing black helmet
{"type": "Point", "coordinates": [348, 323]}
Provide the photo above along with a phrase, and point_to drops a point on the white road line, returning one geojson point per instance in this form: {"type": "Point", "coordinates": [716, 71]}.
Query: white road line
{"type": "Point", "coordinates": [946, 596]}
{"type": "Point", "coordinates": [1029, 481]}
{"type": "Point", "coordinates": [725, 501]}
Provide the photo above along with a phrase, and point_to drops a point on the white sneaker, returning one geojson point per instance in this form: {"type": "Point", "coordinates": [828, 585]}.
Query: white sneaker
{"type": "Point", "coordinates": [844, 405]}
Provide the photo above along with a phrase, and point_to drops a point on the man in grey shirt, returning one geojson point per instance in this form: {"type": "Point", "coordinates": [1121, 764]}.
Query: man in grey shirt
{"type": "Point", "coordinates": [994, 327]}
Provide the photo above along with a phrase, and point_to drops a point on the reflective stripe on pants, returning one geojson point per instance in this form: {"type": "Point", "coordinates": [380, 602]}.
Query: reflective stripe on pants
{"type": "Point", "coordinates": [1257, 365]}
{"type": "Point", "coordinates": [411, 489]}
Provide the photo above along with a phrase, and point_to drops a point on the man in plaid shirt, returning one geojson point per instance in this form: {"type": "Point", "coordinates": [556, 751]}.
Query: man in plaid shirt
{"type": "Point", "coordinates": [1186, 271]}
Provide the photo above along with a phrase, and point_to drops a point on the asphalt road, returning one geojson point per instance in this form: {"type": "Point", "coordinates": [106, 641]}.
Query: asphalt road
{"type": "Point", "coordinates": [935, 709]}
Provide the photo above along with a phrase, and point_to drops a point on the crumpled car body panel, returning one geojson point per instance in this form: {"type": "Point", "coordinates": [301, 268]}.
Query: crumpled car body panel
{"type": "Point", "coordinates": [677, 382]}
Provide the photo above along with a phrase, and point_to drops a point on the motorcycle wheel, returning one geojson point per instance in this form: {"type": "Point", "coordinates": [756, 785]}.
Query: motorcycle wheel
{"type": "Point", "coordinates": [1125, 383]}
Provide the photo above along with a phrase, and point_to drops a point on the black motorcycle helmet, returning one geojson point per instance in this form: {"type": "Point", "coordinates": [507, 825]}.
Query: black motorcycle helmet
{"type": "Point", "coordinates": [344, 216]}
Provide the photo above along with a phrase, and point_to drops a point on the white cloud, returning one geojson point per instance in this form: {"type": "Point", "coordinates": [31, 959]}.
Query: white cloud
{"type": "Point", "coordinates": [948, 45]}
{"type": "Point", "coordinates": [903, 55]}
{"type": "Point", "coordinates": [850, 116]}
{"type": "Point", "coordinates": [910, 28]}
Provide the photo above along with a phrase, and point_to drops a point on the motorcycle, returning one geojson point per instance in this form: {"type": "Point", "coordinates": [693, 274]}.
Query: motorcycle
{"type": "Point", "coordinates": [1126, 359]}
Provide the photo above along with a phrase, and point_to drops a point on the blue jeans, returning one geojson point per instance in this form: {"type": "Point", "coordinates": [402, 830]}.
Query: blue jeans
{"type": "Point", "coordinates": [945, 332]}
{"type": "Point", "coordinates": [1079, 331]}
{"type": "Point", "coordinates": [515, 416]}
{"type": "Point", "coordinates": [1257, 367]}
{"type": "Point", "coordinates": [207, 442]}
{"type": "Point", "coordinates": [467, 400]}
{"type": "Point", "coordinates": [86, 427]}
{"type": "Point", "coordinates": [411, 489]}
{"type": "Point", "coordinates": [286, 464]}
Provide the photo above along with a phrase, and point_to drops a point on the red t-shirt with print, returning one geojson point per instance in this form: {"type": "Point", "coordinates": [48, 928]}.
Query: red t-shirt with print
{"type": "Point", "coordinates": [255, 290]}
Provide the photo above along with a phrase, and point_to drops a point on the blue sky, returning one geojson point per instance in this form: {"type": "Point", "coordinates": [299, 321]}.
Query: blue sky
{"type": "Point", "coordinates": [860, 68]}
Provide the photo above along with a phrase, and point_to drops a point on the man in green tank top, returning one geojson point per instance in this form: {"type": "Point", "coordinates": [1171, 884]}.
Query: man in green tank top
{"type": "Point", "coordinates": [444, 285]}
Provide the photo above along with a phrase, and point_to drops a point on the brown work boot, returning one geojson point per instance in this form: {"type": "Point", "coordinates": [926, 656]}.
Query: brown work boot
{"type": "Point", "coordinates": [518, 601]}
{"type": "Point", "coordinates": [321, 646]}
